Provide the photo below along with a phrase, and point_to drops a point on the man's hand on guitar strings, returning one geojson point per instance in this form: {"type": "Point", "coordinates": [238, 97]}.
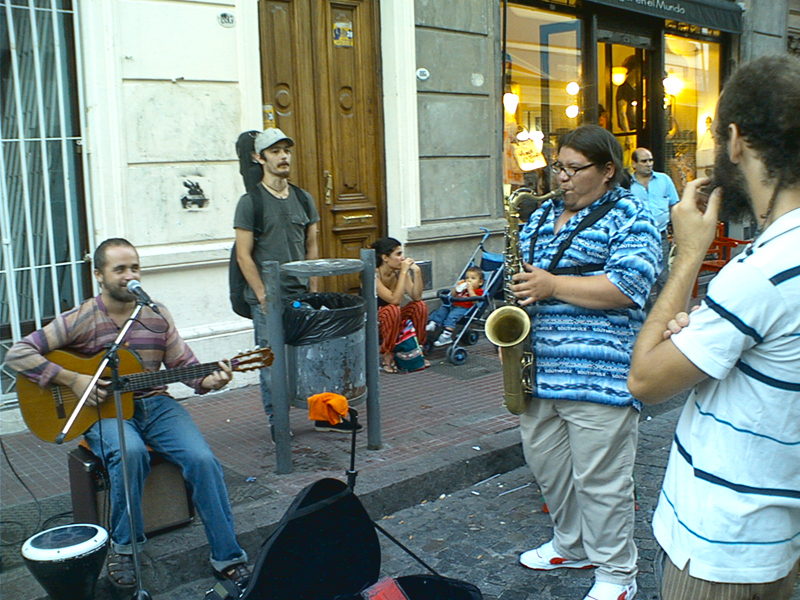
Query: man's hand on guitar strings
{"type": "Point", "coordinates": [98, 395]}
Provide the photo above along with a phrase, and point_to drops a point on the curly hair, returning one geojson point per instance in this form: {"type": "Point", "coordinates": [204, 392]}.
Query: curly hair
{"type": "Point", "coordinates": [599, 146]}
{"type": "Point", "coordinates": [762, 98]}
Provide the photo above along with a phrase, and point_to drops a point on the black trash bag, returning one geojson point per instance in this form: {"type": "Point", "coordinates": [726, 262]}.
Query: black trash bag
{"type": "Point", "coordinates": [304, 325]}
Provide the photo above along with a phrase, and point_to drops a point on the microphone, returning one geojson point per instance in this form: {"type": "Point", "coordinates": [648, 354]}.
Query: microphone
{"type": "Point", "coordinates": [135, 288]}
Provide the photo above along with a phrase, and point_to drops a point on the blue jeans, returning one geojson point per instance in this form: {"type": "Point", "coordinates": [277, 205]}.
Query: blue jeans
{"type": "Point", "coordinates": [448, 315]}
{"type": "Point", "coordinates": [163, 424]}
{"type": "Point", "coordinates": [262, 340]}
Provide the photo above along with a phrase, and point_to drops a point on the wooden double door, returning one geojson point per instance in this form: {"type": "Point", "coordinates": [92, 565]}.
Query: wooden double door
{"type": "Point", "coordinates": [320, 66]}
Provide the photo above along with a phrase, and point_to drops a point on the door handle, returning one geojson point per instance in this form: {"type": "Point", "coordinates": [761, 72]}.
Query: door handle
{"type": "Point", "coordinates": [328, 186]}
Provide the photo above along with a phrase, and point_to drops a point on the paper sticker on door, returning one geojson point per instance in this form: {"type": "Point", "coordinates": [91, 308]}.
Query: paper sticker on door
{"type": "Point", "coordinates": [343, 34]}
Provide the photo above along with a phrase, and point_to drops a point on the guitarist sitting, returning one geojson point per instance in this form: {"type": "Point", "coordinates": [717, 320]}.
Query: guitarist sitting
{"type": "Point", "coordinates": [158, 420]}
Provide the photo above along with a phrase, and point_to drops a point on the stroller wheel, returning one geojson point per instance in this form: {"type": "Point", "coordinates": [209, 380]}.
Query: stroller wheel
{"type": "Point", "coordinates": [471, 338]}
{"type": "Point", "coordinates": [457, 355]}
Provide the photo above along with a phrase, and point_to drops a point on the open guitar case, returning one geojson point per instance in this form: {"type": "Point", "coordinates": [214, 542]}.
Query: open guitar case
{"type": "Point", "coordinates": [326, 547]}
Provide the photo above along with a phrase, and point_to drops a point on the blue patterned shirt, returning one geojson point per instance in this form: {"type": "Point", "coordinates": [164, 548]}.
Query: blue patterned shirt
{"type": "Point", "coordinates": [581, 353]}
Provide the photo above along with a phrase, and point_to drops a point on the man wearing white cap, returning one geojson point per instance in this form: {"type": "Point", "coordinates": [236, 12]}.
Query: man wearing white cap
{"type": "Point", "coordinates": [287, 232]}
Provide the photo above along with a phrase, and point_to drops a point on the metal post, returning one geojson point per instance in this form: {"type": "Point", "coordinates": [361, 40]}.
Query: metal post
{"type": "Point", "coordinates": [280, 397]}
{"type": "Point", "coordinates": [372, 348]}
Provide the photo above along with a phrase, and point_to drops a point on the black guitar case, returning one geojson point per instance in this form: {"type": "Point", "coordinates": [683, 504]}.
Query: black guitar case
{"type": "Point", "coordinates": [325, 547]}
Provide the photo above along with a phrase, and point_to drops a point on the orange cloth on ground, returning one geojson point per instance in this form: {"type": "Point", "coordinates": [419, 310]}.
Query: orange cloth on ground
{"type": "Point", "coordinates": [328, 407]}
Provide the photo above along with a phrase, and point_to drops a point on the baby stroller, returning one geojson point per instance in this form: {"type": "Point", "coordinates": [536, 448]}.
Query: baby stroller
{"type": "Point", "coordinates": [466, 333]}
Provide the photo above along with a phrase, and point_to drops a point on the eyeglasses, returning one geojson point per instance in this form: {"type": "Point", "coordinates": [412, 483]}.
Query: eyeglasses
{"type": "Point", "coordinates": [558, 168]}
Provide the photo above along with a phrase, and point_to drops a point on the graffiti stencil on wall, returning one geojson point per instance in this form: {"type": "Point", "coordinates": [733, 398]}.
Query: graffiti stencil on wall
{"type": "Point", "coordinates": [195, 196]}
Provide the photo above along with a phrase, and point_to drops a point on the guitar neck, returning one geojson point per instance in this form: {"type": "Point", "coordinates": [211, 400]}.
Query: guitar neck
{"type": "Point", "coordinates": [144, 380]}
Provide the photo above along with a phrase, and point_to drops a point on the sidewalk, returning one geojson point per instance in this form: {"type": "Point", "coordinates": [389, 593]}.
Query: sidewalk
{"type": "Point", "coordinates": [443, 429]}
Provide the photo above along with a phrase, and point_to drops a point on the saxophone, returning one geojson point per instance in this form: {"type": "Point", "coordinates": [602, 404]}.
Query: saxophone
{"type": "Point", "coordinates": [509, 326]}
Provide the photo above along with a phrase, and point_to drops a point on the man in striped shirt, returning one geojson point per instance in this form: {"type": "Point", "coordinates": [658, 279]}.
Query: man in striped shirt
{"type": "Point", "coordinates": [728, 516]}
{"type": "Point", "coordinates": [159, 421]}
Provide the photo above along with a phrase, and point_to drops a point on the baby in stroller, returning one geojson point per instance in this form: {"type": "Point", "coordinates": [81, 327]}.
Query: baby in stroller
{"type": "Point", "coordinates": [448, 315]}
{"type": "Point", "coordinates": [485, 269]}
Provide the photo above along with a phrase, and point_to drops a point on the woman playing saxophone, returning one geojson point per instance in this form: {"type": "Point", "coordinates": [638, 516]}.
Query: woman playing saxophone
{"type": "Point", "coordinates": [590, 258]}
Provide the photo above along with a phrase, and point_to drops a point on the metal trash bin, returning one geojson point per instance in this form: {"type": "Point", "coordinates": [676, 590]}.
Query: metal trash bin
{"type": "Point", "coordinates": [325, 343]}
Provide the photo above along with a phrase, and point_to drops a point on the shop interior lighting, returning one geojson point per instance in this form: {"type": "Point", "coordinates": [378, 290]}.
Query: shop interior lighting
{"type": "Point", "coordinates": [510, 102]}
{"type": "Point", "coordinates": [618, 75]}
{"type": "Point", "coordinates": [673, 85]}
{"type": "Point", "coordinates": [572, 111]}
{"type": "Point", "coordinates": [573, 88]}
{"type": "Point", "coordinates": [535, 135]}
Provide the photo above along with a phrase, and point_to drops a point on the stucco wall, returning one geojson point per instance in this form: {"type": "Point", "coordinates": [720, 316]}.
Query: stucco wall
{"type": "Point", "coordinates": [457, 44]}
{"type": "Point", "coordinates": [169, 86]}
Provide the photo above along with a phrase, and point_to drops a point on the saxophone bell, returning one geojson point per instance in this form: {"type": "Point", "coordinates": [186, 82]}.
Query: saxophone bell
{"type": "Point", "coordinates": [509, 327]}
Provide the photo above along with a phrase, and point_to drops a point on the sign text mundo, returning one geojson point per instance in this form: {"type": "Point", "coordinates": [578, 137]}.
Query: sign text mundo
{"type": "Point", "coordinates": [663, 5]}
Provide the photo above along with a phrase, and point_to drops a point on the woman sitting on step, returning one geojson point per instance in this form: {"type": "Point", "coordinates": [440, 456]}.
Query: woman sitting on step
{"type": "Point", "coordinates": [396, 277]}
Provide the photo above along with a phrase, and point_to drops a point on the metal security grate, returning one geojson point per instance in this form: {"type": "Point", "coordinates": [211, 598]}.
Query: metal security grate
{"type": "Point", "coordinates": [43, 221]}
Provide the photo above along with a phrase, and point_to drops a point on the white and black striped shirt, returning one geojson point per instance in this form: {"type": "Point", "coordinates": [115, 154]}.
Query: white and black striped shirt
{"type": "Point", "coordinates": [730, 501]}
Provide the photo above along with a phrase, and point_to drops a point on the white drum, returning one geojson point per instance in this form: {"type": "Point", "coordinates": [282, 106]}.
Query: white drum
{"type": "Point", "coordinates": [67, 560]}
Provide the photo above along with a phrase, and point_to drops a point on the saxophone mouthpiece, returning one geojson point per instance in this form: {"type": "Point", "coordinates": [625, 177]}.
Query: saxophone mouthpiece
{"type": "Point", "coordinates": [520, 194]}
{"type": "Point", "coordinates": [556, 193]}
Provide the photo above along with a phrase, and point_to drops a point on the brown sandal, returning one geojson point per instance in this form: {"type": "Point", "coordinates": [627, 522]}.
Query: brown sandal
{"type": "Point", "coordinates": [238, 574]}
{"type": "Point", "coordinates": [121, 573]}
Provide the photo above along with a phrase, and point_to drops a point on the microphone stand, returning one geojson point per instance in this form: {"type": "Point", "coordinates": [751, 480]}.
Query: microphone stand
{"type": "Point", "coordinates": [112, 359]}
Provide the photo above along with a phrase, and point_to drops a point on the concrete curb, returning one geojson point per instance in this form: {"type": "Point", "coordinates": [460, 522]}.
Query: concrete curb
{"type": "Point", "coordinates": [177, 558]}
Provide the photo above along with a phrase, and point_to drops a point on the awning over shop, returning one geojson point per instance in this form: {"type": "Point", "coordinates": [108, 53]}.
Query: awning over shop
{"type": "Point", "coordinates": [724, 15]}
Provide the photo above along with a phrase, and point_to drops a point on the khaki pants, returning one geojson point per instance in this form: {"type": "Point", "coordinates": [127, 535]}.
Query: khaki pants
{"type": "Point", "coordinates": [679, 585]}
{"type": "Point", "coordinates": [582, 456]}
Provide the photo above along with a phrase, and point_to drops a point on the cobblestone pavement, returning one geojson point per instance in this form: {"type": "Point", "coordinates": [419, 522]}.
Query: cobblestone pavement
{"type": "Point", "coordinates": [477, 534]}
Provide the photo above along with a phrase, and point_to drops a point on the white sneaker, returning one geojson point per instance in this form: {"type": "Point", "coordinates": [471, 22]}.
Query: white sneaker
{"type": "Point", "coordinates": [431, 326]}
{"type": "Point", "coordinates": [444, 339]}
{"type": "Point", "coordinates": [545, 558]}
{"type": "Point", "coordinates": [602, 590]}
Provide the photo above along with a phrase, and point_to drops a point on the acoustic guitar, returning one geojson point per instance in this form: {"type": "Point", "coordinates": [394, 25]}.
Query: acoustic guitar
{"type": "Point", "coordinates": [46, 410]}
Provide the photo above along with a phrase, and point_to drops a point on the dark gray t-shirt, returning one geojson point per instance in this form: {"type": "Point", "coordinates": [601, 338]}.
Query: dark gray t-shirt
{"type": "Point", "coordinates": [283, 237]}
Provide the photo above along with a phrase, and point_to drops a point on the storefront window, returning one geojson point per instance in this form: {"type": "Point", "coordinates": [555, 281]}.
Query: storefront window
{"type": "Point", "coordinates": [622, 93]}
{"type": "Point", "coordinates": [691, 90]}
{"type": "Point", "coordinates": [542, 90]}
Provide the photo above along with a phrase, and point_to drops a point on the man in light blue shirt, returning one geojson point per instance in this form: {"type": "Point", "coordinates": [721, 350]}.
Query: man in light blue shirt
{"type": "Point", "coordinates": [658, 193]}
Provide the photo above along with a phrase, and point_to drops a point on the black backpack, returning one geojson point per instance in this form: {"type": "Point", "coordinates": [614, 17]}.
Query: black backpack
{"type": "Point", "coordinates": [237, 284]}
